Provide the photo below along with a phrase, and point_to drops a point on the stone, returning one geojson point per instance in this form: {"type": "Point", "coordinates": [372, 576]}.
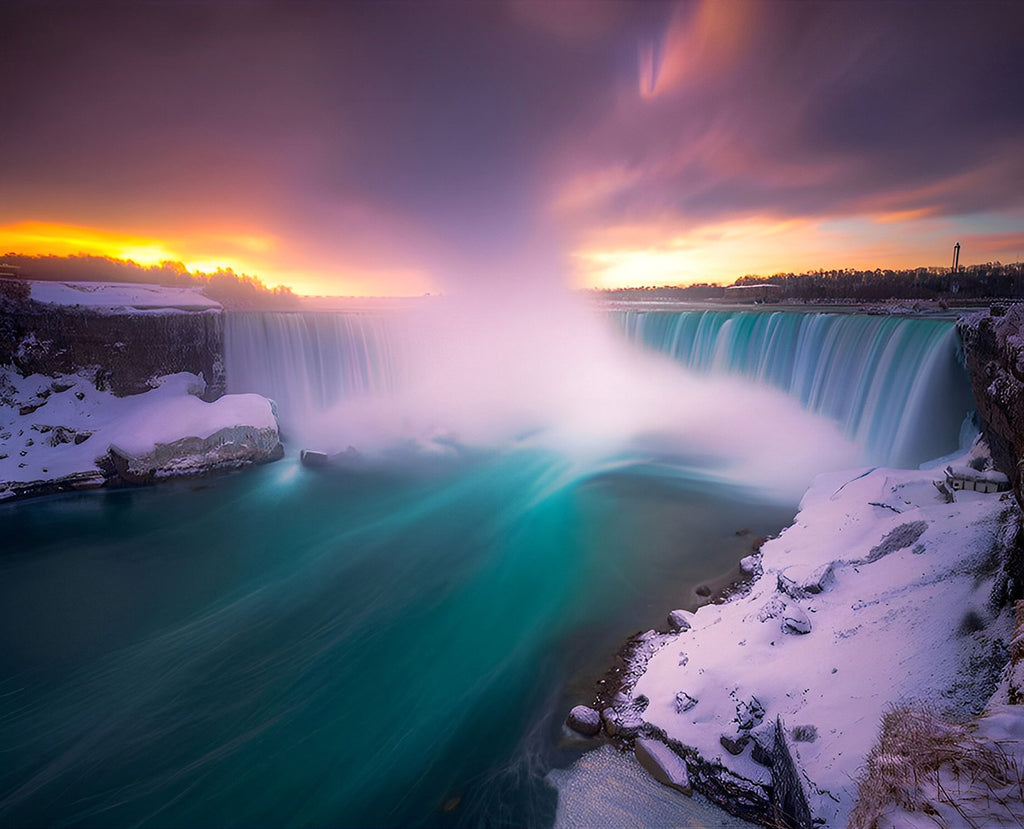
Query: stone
{"type": "Point", "coordinates": [82, 437]}
{"type": "Point", "coordinates": [679, 620]}
{"type": "Point", "coordinates": [663, 764]}
{"type": "Point", "coordinates": [749, 714]}
{"type": "Point", "coordinates": [749, 565]}
{"type": "Point", "coordinates": [771, 609]}
{"type": "Point", "coordinates": [794, 620]}
{"type": "Point", "coordinates": [762, 749]}
{"type": "Point", "coordinates": [62, 434]}
{"type": "Point", "coordinates": [799, 582]}
{"type": "Point", "coordinates": [684, 702]}
{"type": "Point", "coordinates": [734, 743]}
{"type": "Point", "coordinates": [621, 723]}
{"type": "Point", "coordinates": [584, 720]}
{"type": "Point", "coordinates": [309, 457]}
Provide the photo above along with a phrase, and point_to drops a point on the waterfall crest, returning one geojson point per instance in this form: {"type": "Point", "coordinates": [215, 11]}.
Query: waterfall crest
{"type": "Point", "coordinates": [895, 385]}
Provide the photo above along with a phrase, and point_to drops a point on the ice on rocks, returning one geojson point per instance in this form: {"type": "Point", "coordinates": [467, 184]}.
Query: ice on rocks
{"type": "Point", "coordinates": [663, 764]}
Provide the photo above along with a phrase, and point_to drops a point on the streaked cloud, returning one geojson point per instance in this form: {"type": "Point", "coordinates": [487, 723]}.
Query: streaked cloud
{"type": "Point", "coordinates": [381, 148]}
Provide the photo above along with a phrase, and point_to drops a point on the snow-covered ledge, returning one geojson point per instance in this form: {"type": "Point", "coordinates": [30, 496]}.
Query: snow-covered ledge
{"type": "Point", "coordinates": [60, 433]}
{"type": "Point", "coordinates": [884, 590]}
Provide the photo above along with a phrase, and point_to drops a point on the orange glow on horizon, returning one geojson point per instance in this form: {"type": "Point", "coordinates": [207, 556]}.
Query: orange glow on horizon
{"type": "Point", "coordinates": [249, 253]}
{"type": "Point", "coordinates": [720, 253]}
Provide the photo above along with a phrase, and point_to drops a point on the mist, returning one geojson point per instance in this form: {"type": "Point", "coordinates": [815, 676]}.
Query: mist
{"type": "Point", "coordinates": [543, 369]}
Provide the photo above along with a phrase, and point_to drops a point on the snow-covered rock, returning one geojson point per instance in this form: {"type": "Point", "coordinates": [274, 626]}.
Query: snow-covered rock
{"type": "Point", "coordinates": [664, 764]}
{"type": "Point", "coordinates": [679, 620]}
{"type": "Point", "coordinates": [62, 433]}
{"type": "Point", "coordinates": [872, 566]}
{"type": "Point", "coordinates": [584, 720]}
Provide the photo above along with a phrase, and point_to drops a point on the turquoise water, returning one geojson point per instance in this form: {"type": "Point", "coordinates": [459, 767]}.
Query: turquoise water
{"type": "Point", "coordinates": [296, 647]}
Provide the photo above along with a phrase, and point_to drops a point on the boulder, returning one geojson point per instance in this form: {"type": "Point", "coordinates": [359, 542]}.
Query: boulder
{"type": "Point", "coordinates": [749, 565]}
{"type": "Point", "coordinates": [621, 723]}
{"type": "Point", "coordinates": [794, 620]}
{"type": "Point", "coordinates": [799, 582]}
{"type": "Point", "coordinates": [663, 764]}
{"type": "Point", "coordinates": [684, 702]}
{"type": "Point", "coordinates": [734, 743]}
{"type": "Point", "coordinates": [679, 620]}
{"type": "Point", "coordinates": [584, 720]}
{"type": "Point", "coordinates": [749, 714]}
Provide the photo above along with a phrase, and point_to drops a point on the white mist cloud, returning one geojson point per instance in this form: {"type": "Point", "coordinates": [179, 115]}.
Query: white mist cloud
{"type": "Point", "coordinates": [495, 373]}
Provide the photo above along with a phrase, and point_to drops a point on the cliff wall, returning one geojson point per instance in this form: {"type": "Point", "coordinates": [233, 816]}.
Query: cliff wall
{"type": "Point", "coordinates": [993, 343]}
{"type": "Point", "coordinates": [121, 350]}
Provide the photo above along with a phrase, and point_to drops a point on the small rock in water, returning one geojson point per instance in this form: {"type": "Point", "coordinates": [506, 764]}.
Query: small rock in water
{"type": "Point", "coordinates": [679, 620]}
{"type": "Point", "coordinates": [584, 720]}
{"type": "Point", "coordinates": [794, 620]}
{"type": "Point", "coordinates": [749, 565]}
{"type": "Point", "coordinates": [309, 457]}
{"type": "Point", "coordinates": [663, 764]}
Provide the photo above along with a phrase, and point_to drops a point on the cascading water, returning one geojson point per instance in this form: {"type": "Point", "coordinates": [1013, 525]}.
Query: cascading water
{"type": "Point", "coordinates": [894, 385]}
{"type": "Point", "coordinates": [308, 361]}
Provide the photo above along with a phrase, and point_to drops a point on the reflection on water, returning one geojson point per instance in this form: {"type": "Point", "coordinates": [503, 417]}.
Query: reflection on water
{"type": "Point", "coordinates": [325, 647]}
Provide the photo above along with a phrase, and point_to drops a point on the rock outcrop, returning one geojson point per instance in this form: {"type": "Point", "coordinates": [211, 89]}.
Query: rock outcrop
{"type": "Point", "coordinates": [121, 351]}
{"type": "Point", "coordinates": [994, 352]}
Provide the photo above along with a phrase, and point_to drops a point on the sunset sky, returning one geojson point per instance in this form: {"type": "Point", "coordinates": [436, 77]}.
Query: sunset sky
{"type": "Point", "coordinates": [393, 148]}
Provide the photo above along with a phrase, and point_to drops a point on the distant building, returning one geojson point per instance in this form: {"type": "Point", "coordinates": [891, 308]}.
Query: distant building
{"type": "Point", "coordinates": [964, 477]}
{"type": "Point", "coordinates": [9, 271]}
{"type": "Point", "coordinates": [765, 292]}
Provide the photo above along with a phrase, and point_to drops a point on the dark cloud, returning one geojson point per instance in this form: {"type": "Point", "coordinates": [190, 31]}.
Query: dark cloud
{"type": "Point", "coordinates": [832, 108]}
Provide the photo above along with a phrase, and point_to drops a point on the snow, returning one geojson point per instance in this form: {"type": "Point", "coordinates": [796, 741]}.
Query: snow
{"type": "Point", "coordinates": [121, 295]}
{"type": "Point", "coordinates": [885, 573]}
{"type": "Point", "coordinates": [40, 445]}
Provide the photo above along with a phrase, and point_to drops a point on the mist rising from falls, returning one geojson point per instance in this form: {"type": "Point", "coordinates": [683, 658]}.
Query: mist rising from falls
{"type": "Point", "coordinates": [829, 390]}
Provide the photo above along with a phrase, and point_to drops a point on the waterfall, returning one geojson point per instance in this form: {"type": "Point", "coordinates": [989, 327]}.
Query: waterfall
{"type": "Point", "coordinates": [895, 385]}
{"type": "Point", "coordinates": [306, 362]}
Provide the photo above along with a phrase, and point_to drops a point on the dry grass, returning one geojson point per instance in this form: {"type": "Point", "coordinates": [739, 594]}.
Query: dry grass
{"type": "Point", "coordinates": [922, 763]}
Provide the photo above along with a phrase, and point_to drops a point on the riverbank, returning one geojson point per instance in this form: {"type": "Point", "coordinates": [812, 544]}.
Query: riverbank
{"type": "Point", "coordinates": [884, 590]}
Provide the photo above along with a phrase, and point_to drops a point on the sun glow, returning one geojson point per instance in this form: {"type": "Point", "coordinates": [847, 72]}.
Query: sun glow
{"type": "Point", "coordinates": [51, 238]}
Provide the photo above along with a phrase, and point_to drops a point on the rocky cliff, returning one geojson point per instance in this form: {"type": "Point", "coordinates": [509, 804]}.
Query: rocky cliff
{"type": "Point", "coordinates": [994, 352]}
{"type": "Point", "coordinates": [123, 350]}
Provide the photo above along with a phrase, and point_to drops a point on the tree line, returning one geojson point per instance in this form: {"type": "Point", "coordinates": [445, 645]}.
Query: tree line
{"type": "Point", "coordinates": [990, 280]}
{"type": "Point", "coordinates": [232, 290]}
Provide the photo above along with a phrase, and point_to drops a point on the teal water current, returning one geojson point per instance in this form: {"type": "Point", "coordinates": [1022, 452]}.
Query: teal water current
{"type": "Point", "coordinates": [373, 646]}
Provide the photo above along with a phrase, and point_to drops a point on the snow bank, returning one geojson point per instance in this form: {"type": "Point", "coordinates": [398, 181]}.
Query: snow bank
{"type": "Point", "coordinates": [878, 593]}
{"type": "Point", "coordinates": [121, 295]}
{"type": "Point", "coordinates": [55, 429]}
